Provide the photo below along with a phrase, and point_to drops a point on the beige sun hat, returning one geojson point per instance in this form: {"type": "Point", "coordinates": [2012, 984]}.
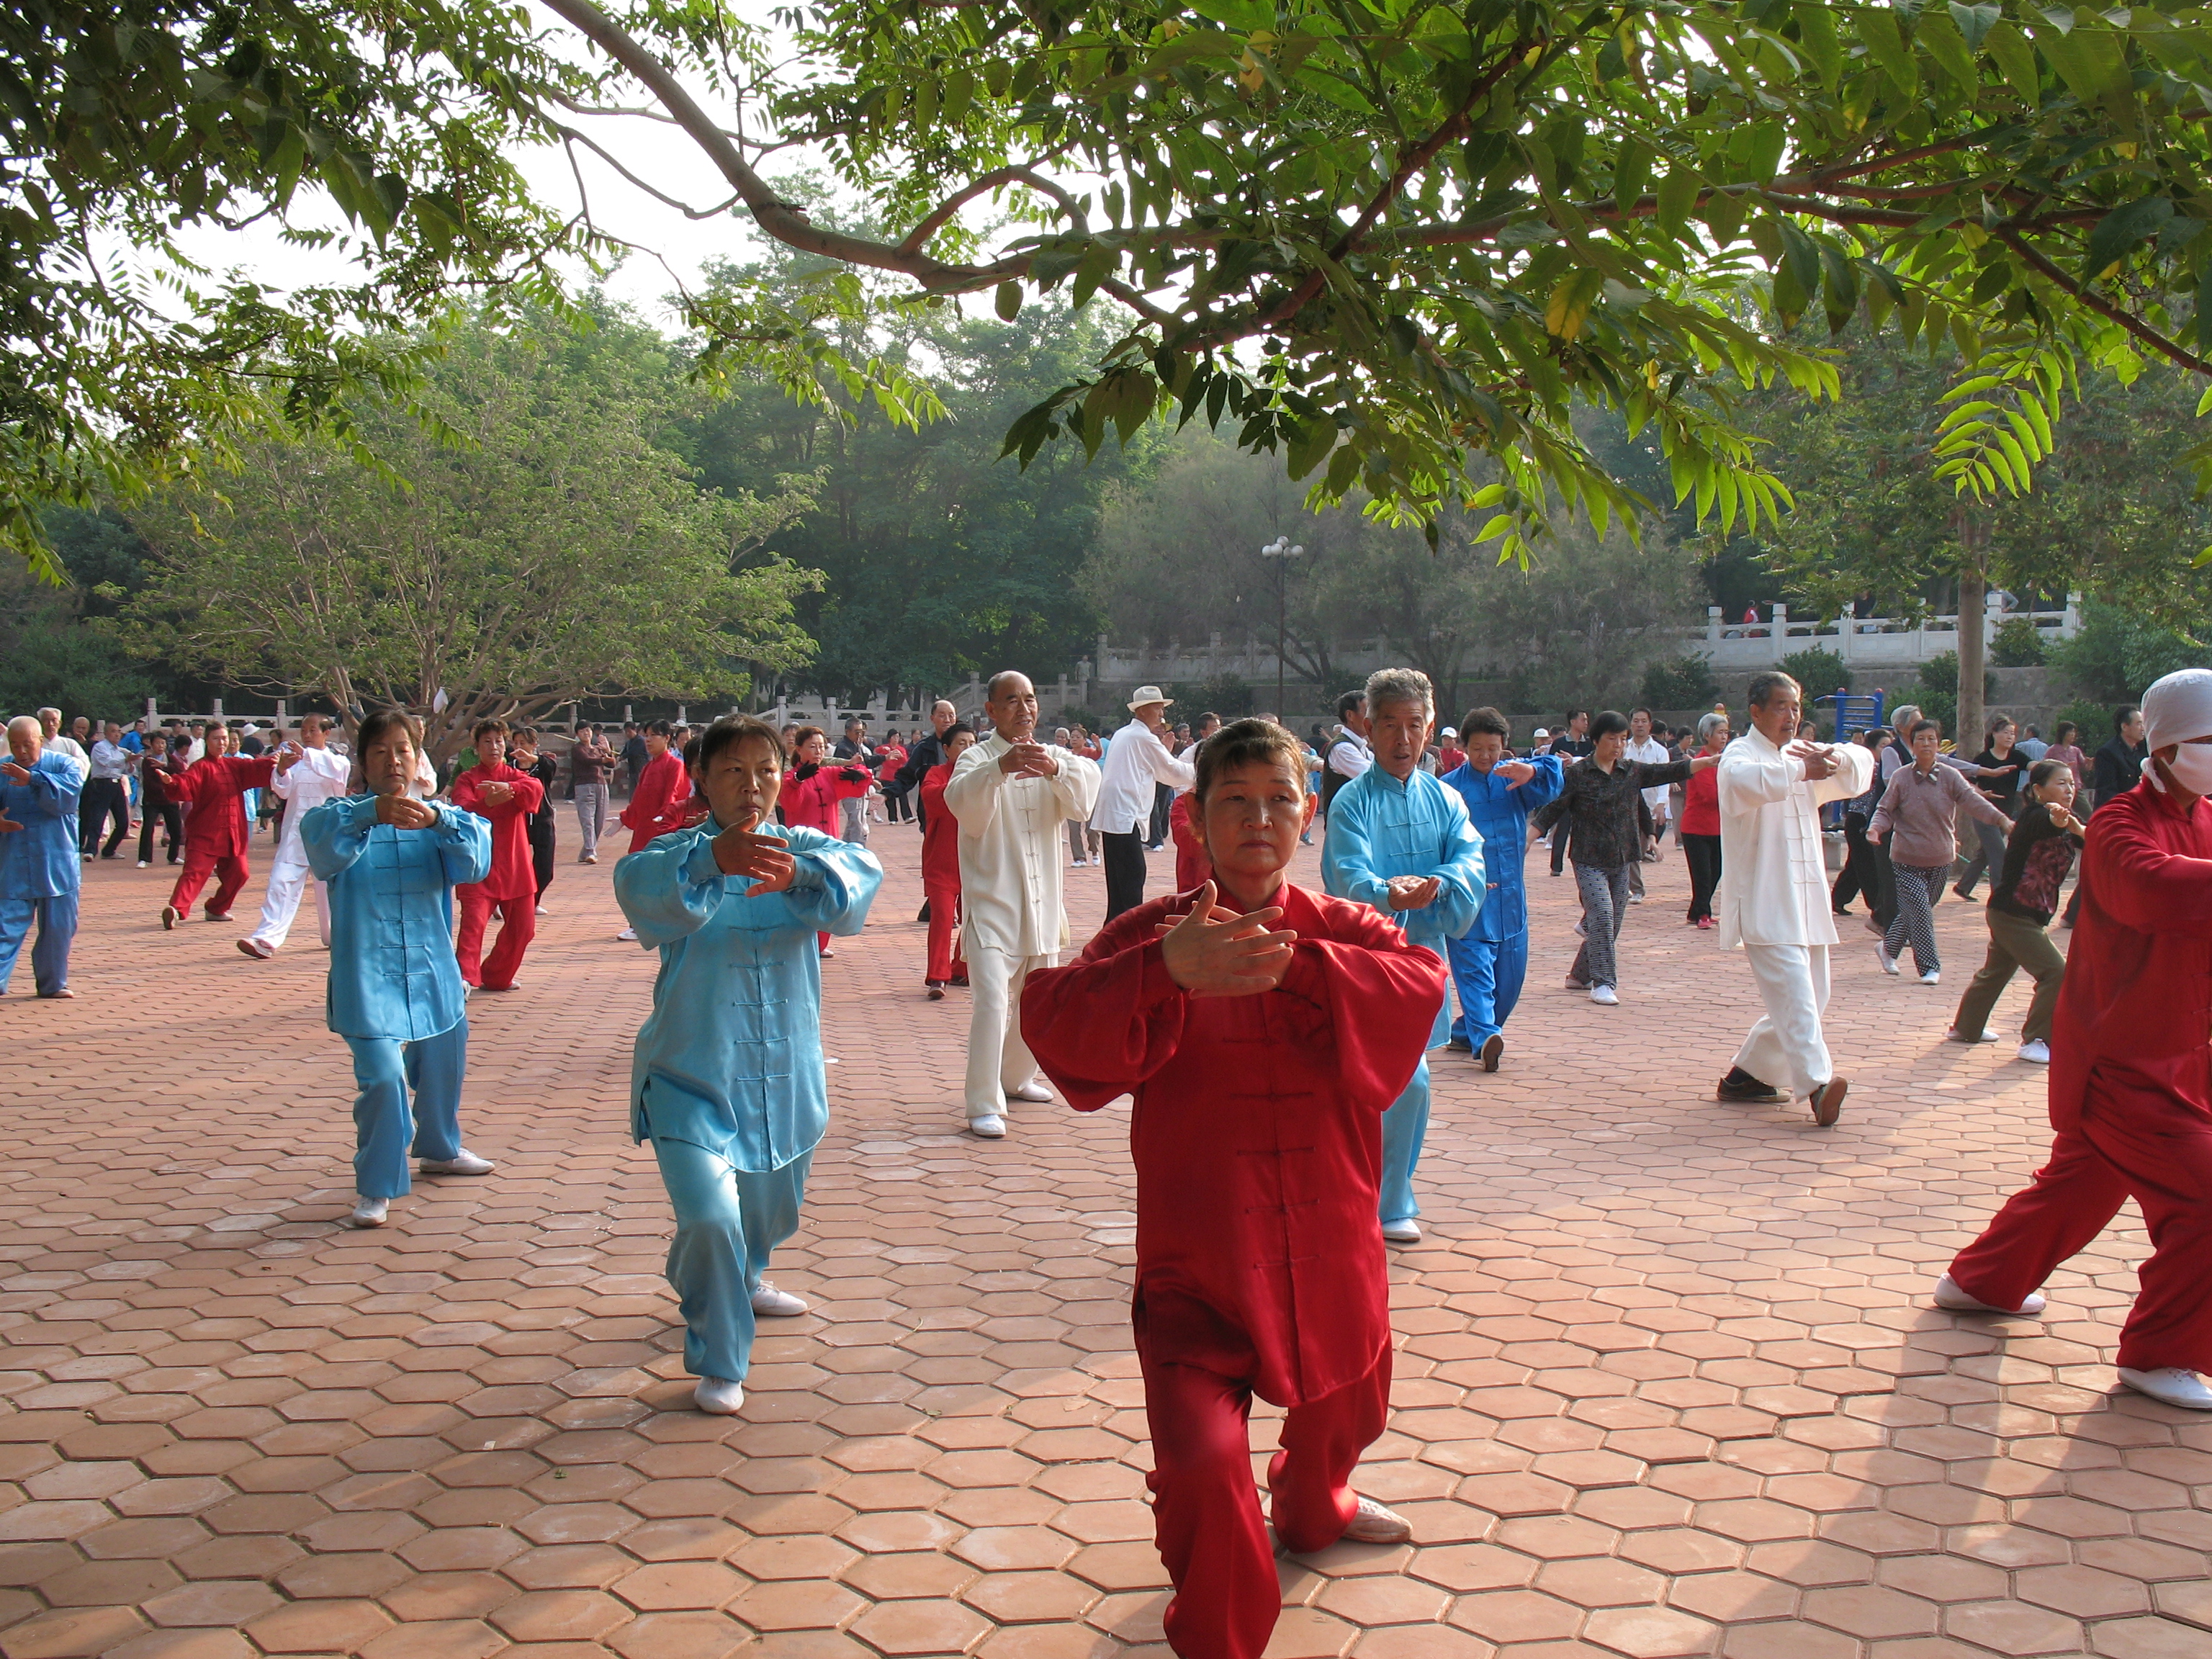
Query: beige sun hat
{"type": "Point", "coordinates": [1144, 694]}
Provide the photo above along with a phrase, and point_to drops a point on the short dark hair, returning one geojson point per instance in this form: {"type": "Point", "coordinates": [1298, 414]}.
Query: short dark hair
{"type": "Point", "coordinates": [482, 726]}
{"type": "Point", "coordinates": [157, 737]}
{"type": "Point", "coordinates": [2123, 716]}
{"type": "Point", "coordinates": [728, 731]}
{"type": "Point", "coordinates": [375, 727]}
{"type": "Point", "coordinates": [661, 729]}
{"type": "Point", "coordinates": [1240, 742]}
{"type": "Point", "coordinates": [2044, 770]}
{"type": "Point", "coordinates": [1646, 712]}
{"type": "Point", "coordinates": [2067, 729]}
{"type": "Point", "coordinates": [1348, 703]}
{"type": "Point", "coordinates": [213, 726]}
{"type": "Point", "coordinates": [1607, 722]}
{"type": "Point", "coordinates": [1919, 726]}
{"type": "Point", "coordinates": [1764, 686]}
{"type": "Point", "coordinates": [1486, 720]}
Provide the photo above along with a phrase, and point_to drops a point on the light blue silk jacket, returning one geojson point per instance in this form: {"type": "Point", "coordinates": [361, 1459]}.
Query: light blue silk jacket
{"type": "Point", "coordinates": [730, 1057]}
{"type": "Point", "coordinates": [393, 971]}
{"type": "Point", "coordinates": [40, 860]}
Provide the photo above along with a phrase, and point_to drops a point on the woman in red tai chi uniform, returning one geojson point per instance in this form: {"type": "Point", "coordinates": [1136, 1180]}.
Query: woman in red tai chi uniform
{"type": "Point", "coordinates": [1264, 1029]}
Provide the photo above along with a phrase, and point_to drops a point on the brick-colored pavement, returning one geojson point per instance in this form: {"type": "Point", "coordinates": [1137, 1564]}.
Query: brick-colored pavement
{"type": "Point", "coordinates": [1668, 1382]}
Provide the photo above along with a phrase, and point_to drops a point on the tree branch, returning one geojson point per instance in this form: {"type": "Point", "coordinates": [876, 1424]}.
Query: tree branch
{"type": "Point", "coordinates": [918, 238]}
{"type": "Point", "coordinates": [2103, 308]}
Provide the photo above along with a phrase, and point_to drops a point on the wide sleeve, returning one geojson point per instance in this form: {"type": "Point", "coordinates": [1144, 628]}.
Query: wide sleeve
{"type": "Point", "coordinates": [834, 884]}
{"type": "Point", "coordinates": [1104, 1024]}
{"type": "Point", "coordinates": [1853, 775]}
{"type": "Point", "coordinates": [1978, 805]}
{"type": "Point", "coordinates": [281, 782]}
{"type": "Point", "coordinates": [56, 789]}
{"type": "Point", "coordinates": [1348, 858]}
{"type": "Point", "coordinates": [1171, 769]}
{"type": "Point", "coordinates": [2140, 885]}
{"type": "Point", "coordinates": [1544, 789]}
{"type": "Point", "coordinates": [1075, 786]}
{"type": "Point", "coordinates": [529, 793]}
{"type": "Point", "coordinates": [183, 784]}
{"type": "Point", "coordinates": [670, 888]}
{"type": "Point", "coordinates": [1751, 778]}
{"type": "Point", "coordinates": [464, 845]}
{"type": "Point", "coordinates": [335, 833]}
{"type": "Point", "coordinates": [255, 773]}
{"type": "Point", "coordinates": [971, 794]}
{"type": "Point", "coordinates": [1382, 994]}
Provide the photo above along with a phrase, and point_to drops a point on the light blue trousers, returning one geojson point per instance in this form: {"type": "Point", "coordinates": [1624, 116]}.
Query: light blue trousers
{"type": "Point", "coordinates": [728, 1221]}
{"type": "Point", "coordinates": [1489, 973]}
{"type": "Point", "coordinates": [57, 920]}
{"type": "Point", "coordinates": [387, 1072]}
{"type": "Point", "coordinates": [1405, 1126]}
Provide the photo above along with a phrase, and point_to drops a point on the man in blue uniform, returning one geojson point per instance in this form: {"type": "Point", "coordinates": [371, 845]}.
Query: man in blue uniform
{"type": "Point", "coordinates": [1400, 841]}
{"type": "Point", "coordinates": [728, 1082]}
{"type": "Point", "coordinates": [1491, 960]}
{"type": "Point", "coordinates": [38, 870]}
{"type": "Point", "coordinates": [395, 991]}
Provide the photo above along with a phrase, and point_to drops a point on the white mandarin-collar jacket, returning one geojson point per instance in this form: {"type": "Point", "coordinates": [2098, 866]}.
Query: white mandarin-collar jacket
{"type": "Point", "coordinates": [1010, 847]}
{"type": "Point", "coordinates": [1774, 876]}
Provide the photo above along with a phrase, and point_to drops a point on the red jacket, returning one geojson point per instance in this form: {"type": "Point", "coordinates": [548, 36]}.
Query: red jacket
{"type": "Point", "coordinates": [513, 876]}
{"type": "Point", "coordinates": [813, 800]}
{"type": "Point", "coordinates": [940, 837]}
{"type": "Point", "coordinates": [1257, 1134]}
{"type": "Point", "coordinates": [2138, 992]}
{"type": "Point", "coordinates": [657, 804]}
{"type": "Point", "coordinates": [1192, 868]}
{"type": "Point", "coordinates": [215, 789]}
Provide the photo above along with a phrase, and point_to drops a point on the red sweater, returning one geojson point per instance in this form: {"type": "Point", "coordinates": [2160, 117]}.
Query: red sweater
{"type": "Point", "coordinates": [513, 876]}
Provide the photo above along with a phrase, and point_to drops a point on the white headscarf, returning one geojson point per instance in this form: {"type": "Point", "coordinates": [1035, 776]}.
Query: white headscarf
{"type": "Point", "coordinates": [2177, 708]}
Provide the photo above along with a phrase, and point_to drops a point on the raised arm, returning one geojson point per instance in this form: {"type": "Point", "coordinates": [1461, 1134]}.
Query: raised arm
{"type": "Point", "coordinates": [971, 794]}
{"type": "Point", "coordinates": [1976, 803]}
{"type": "Point", "coordinates": [834, 883]}
{"type": "Point", "coordinates": [55, 790]}
{"type": "Point", "coordinates": [1104, 1024]}
{"type": "Point", "coordinates": [1544, 789]}
{"type": "Point", "coordinates": [335, 833]}
{"type": "Point", "coordinates": [1176, 773]}
{"type": "Point", "coordinates": [464, 845]}
{"type": "Point", "coordinates": [670, 887]}
{"type": "Point", "coordinates": [1751, 778]}
{"type": "Point", "coordinates": [2140, 885]}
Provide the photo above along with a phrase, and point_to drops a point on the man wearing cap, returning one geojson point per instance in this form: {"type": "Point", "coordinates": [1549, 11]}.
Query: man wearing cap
{"type": "Point", "coordinates": [1137, 760]}
{"type": "Point", "coordinates": [2130, 1073]}
{"type": "Point", "coordinates": [1010, 794]}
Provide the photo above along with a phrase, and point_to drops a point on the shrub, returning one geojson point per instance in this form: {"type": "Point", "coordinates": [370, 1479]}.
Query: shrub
{"type": "Point", "coordinates": [2017, 645]}
{"type": "Point", "coordinates": [2095, 719]}
{"type": "Point", "coordinates": [1937, 694]}
{"type": "Point", "coordinates": [1818, 671]}
{"type": "Point", "coordinates": [1228, 697]}
{"type": "Point", "coordinates": [1679, 683]}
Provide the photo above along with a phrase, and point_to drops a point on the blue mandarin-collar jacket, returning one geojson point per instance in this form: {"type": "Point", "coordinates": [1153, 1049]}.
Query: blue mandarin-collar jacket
{"type": "Point", "coordinates": [730, 1057]}
{"type": "Point", "coordinates": [1499, 811]}
{"type": "Point", "coordinates": [393, 971]}
{"type": "Point", "coordinates": [39, 860]}
{"type": "Point", "coordinates": [1378, 828]}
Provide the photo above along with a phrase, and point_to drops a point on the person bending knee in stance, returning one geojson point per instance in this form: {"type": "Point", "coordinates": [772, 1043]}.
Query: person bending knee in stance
{"type": "Point", "coordinates": [1264, 1029]}
{"type": "Point", "coordinates": [727, 1080]}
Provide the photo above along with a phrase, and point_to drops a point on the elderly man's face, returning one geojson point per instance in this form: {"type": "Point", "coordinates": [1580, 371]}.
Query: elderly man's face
{"type": "Point", "coordinates": [26, 741]}
{"type": "Point", "coordinates": [1399, 734]}
{"type": "Point", "coordinates": [1013, 710]}
{"type": "Point", "coordinates": [944, 718]}
{"type": "Point", "coordinates": [2133, 730]}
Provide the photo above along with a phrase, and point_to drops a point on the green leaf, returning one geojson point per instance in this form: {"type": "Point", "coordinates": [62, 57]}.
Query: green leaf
{"type": "Point", "coordinates": [1885, 44]}
{"type": "Point", "coordinates": [1678, 194]}
{"type": "Point", "coordinates": [1975, 21]}
{"type": "Point", "coordinates": [1941, 39]}
{"type": "Point", "coordinates": [2015, 60]}
{"type": "Point", "coordinates": [1816, 36]}
{"type": "Point", "coordinates": [2123, 229]}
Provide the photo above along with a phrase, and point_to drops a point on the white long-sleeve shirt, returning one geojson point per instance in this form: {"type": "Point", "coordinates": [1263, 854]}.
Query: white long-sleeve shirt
{"type": "Point", "coordinates": [1774, 875]}
{"type": "Point", "coordinates": [1653, 752]}
{"type": "Point", "coordinates": [1136, 760]}
{"type": "Point", "coordinates": [317, 776]}
{"type": "Point", "coordinates": [1010, 895]}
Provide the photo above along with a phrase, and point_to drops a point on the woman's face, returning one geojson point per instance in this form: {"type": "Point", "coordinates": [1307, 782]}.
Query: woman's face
{"type": "Point", "coordinates": [1251, 818]}
{"type": "Point", "coordinates": [1718, 739]}
{"type": "Point", "coordinates": [2059, 791]}
{"type": "Point", "coordinates": [1608, 751]}
{"type": "Point", "coordinates": [814, 750]}
{"type": "Point", "coordinates": [2000, 740]}
{"type": "Point", "coordinates": [1925, 747]}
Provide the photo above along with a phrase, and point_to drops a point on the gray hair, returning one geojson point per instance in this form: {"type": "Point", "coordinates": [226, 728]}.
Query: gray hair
{"type": "Point", "coordinates": [1399, 685]}
{"type": "Point", "coordinates": [1903, 715]}
{"type": "Point", "coordinates": [1707, 725]}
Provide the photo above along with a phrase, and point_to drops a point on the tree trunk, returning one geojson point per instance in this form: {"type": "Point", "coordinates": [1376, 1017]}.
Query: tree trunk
{"type": "Point", "coordinates": [1973, 654]}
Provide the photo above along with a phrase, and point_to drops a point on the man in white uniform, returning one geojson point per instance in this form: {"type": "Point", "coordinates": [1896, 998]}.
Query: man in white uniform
{"type": "Point", "coordinates": [1774, 895]}
{"type": "Point", "coordinates": [1011, 794]}
{"type": "Point", "coordinates": [1137, 759]}
{"type": "Point", "coordinates": [308, 773]}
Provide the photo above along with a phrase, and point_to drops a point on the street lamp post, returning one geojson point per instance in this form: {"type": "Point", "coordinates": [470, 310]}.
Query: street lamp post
{"type": "Point", "coordinates": [1281, 548]}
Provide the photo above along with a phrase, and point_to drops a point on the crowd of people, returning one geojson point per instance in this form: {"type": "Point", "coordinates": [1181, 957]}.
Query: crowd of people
{"type": "Point", "coordinates": [1276, 1039]}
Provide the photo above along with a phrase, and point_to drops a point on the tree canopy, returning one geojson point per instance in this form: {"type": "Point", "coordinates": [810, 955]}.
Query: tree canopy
{"type": "Point", "coordinates": [1378, 239]}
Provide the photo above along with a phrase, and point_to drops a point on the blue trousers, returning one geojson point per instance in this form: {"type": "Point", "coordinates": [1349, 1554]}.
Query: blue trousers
{"type": "Point", "coordinates": [1405, 1126]}
{"type": "Point", "coordinates": [1489, 973]}
{"type": "Point", "coordinates": [727, 1220]}
{"type": "Point", "coordinates": [57, 920]}
{"type": "Point", "coordinates": [387, 1072]}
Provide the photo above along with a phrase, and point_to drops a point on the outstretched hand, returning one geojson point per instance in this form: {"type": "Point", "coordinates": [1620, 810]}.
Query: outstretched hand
{"type": "Point", "coordinates": [15, 774]}
{"type": "Point", "coordinates": [1820, 759]}
{"type": "Point", "coordinates": [761, 857]}
{"type": "Point", "coordinates": [1515, 772]}
{"type": "Point", "coordinates": [8, 825]}
{"type": "Point", "coordinates": [1414, 892]}
{"type": "Point", "coordinates": [1216, 952]}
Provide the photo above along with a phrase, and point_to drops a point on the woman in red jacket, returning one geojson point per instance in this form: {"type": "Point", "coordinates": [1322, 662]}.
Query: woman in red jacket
{"type": "Point", "coordinates": [812, 788]}
{"type": "Point", "coordinates": [940, 869]}
{"type": "Point", "coordinates": [1700, 831]}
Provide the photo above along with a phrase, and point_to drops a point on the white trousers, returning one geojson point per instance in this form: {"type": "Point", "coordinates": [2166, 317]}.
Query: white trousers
{"type": "Point", "coordinates": [999, 1061]}
{"type": "Point", "coordinates": [288, 881]}
{"type": "Point", "coordinates": [852, 820]}
{"type": "Point", "coordinates": [1785, 1049]}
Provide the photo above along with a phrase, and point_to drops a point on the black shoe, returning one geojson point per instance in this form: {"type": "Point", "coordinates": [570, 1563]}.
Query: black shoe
{"type": "Point", "coordinates": [1739, 1086]}
{"type": "Point", "coordinates": [1491, 1048]}
{"type": "Point", "coordinates": [1460, 1045]}
{"type": "Point", "coordinates": [922, 915]}
{"type": "Point", "coordinates": [1964, 892]}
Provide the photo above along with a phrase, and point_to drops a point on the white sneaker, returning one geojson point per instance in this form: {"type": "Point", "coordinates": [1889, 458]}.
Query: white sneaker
{"type": "Point", "coordinates": [1882, 955]}
{"type": "Point", "coordinates": [1407, 1232]}
{"type": "Point", "coordinates": [629, 935]}
{"type": "Point", "coordinates": [1605, 996]}
{"type": "Point", "coordinates": [1376, 1525]}
{"type": "Point", "coordinates": [1955, 1034]}
{"type": "Point", "coordinates": [369, 1211]}
{"type": "Point", "coordinates": [145, 864]}
{"type": "Point", "coordinates": [543, 911]}
{"type": "Point", "coordinates": [2174, 1385]}
{"type": "Point", "coordinates": [772, 1304]}
{"type": "Point", "coordinates": [1636, 898]}
{"type": "Point", "coordinates": [464, 1161]}
{"type": "Point", "coordinates": [1033, 1091]}
{"type": "Point", "coordinates": [989, 1126]}
{"type": "Point", "coordinates": [2037, 1053]}
{"type": "Point", "coordinates": [1933, 976]}
{"type": "Point", "coordinates": [1948, 1295]}
{"type": "Point", "coordinates": [718, 1396]}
